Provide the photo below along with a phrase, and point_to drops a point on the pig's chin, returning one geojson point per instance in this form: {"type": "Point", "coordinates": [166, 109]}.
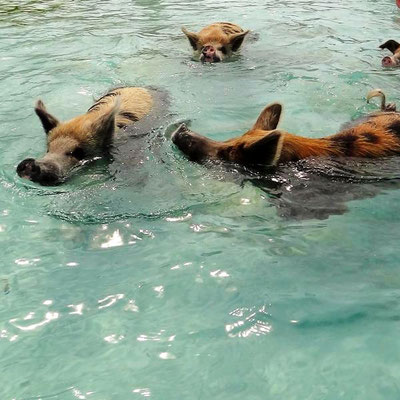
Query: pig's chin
{"type": "Point", "coordinates": [209, 59]}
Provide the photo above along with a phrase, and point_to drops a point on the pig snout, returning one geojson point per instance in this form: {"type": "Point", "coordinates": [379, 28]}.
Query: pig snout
{"type": "Point", "coordinates": [186, 141]}
{"type": "Point", "coordinates": [388, 62]}
{"type": "Point", "coordinates": [182, 133]}
{"type": "Point", "coordinates": [209, 51]}
{"type": "Point", "coordinates": [41, 173]}
{"type": "Point", "coordinates": [28, 169]}
{"type": "Point", "coordinates": [194, 146]}
{"type": "Point", "coordinates": [209, 54]}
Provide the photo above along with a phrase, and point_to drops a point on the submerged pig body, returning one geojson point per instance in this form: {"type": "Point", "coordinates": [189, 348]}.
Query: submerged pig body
{"type": "Point", "coordinates": [86, 136]}
{"type": "Point", "coordinates": [378, 135]}
{"type": "Point", "coordinates": [217, 41]}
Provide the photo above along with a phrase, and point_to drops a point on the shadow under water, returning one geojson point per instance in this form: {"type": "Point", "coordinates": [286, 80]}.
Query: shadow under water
{"type": "Point", "coordinates": [317, 188]}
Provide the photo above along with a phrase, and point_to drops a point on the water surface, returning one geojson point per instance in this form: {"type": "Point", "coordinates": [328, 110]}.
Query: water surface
{"type": "Point", "coordinates": [178, 281]}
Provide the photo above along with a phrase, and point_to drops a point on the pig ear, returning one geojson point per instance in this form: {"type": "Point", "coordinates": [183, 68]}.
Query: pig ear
{"type": "Point", "coordinates": [391, 45]}
{"type": "Point", "coordinates": [269, 117]}
{"type": "Point", "coordinates": [265, 151]}
{"type": "Point", "coordinates": [193, 37]}
{"type": "Point", "coordinates": [236, 40]}
{"type": "Point", "coordinates": [103, 127]}
{"type": "Point", "coordinates": [48, 121]}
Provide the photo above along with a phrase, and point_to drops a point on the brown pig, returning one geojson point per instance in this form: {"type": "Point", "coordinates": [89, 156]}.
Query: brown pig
{"type": "Point", "coordinates": [217, 41]}
{"type": "Point", "coordinates": [394, 60]}
{"type": "Point", "coordinates": [376, 135]}
{"type": "Point", "coordinates": [84, 137]}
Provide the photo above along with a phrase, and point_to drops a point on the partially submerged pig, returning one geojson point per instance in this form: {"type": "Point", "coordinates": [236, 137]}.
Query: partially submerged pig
{"type": "Point", "coordinates": [376, 135]}
{"type": "Point", "coordinates": [84, 137]}
{"type": "Point", "coordinates": [217, 41]}
{"type": "Point", "coordinates": [394, 60]}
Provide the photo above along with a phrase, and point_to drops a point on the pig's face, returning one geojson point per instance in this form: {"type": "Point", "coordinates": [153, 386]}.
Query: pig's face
{"type": "Point", "coordinates": [394, 60]}
{"type": "Point", "coordinates": [214, 46]}
{"type": "Point", "coordinates": [68, 144]}
{"type": "Point", "coordinates": [213, 52]}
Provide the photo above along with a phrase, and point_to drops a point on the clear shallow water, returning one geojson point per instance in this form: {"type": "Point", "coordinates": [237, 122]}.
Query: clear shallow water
{"type": "Point", "coordinates": [173, 280]}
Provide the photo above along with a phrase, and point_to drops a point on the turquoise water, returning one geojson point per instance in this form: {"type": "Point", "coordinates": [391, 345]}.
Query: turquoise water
{"type": "Point", "coordinates": [171, 280]}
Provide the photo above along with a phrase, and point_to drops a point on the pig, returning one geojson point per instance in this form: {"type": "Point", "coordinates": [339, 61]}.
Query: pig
{"type": "Point", "coordinates": [217, 41]}
{"type": "Point", "coordinates": [70, 144]}
{"type": "Point", "coordinates": [394, 60]}
{"type": "Point", "coordinates": [376, 135]}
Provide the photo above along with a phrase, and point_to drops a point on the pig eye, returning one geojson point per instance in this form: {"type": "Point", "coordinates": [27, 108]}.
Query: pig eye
{"type": "Point", "coordinates": [77, 153]}
{"type": "Point", "coordinates": [223, 49]}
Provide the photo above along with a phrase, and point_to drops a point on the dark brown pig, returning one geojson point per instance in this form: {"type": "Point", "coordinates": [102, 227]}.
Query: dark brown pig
{"type": "Point", "coordinates": [376, 135]}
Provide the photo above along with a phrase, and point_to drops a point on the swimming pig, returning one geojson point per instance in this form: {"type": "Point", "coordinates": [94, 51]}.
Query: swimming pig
{"type": "Point", "coordinates": [394, 60]}
{"type": "Point", "coordinates": [86, 136]}
{"type": "Point", "coordinates": [375, 135]}
{"type": "Point", "coordinates": [216, 41]}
